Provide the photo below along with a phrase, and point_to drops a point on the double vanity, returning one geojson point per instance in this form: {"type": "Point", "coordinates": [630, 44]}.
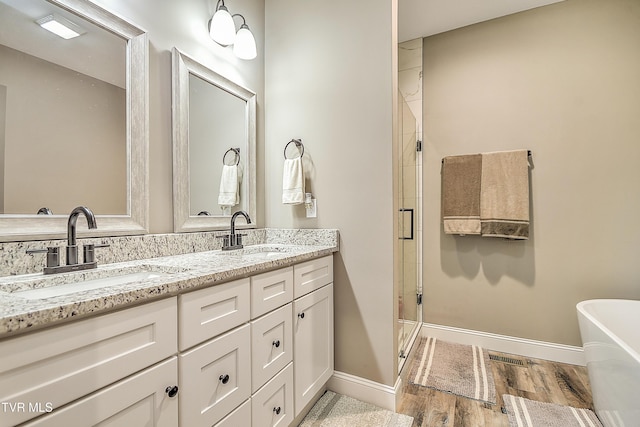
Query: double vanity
{"type": "Point", "coordinates": [168, 329]}
{"type": "Point", "coordinates": [211, 338]}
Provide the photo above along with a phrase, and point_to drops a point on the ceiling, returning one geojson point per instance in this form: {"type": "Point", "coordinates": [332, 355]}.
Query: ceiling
{"type": "Point", "coordinates": [97, 53]}
{"type": "Point", "coordinates": [422, 18]}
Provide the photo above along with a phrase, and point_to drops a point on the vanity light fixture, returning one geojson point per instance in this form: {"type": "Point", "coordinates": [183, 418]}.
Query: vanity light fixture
{"type": "Point", "coordinates": [60, 26]}
{"type": "Point", "coordinates": [245, 44]}
{"type": "Point", "coordinates": [222, 30]}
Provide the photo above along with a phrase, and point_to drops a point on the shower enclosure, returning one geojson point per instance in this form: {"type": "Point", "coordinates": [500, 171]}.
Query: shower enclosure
{"type": "Point", "coordinates": [408, 194]}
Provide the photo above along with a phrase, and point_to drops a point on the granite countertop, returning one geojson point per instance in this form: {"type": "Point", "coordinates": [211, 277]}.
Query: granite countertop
{"type": "Point", "coordinates": [158, 277]}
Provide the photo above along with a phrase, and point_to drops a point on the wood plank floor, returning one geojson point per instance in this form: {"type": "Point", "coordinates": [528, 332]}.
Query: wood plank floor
{"type": "Point", "coordinates": [535, 379]}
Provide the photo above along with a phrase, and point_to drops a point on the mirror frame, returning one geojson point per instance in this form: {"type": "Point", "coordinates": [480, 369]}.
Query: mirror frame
{"type": "Point", "coordinates": [14, 227]}
{"type": "Point", "coordinates": [183, 66]}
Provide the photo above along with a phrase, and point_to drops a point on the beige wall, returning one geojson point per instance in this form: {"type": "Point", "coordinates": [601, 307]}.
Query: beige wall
{"type": "Point", "coordinates": [329, 78]}
{"type": "Point", "coordinates": [564, 82]}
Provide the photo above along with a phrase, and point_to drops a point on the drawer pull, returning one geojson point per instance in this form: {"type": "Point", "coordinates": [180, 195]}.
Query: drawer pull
{"type": "Point", "coordinates": [276, 343]}
{"type": "Point", "coordinates": [301, 315]}
{"type": "Point", "coordinates": [224, 379]}
{"type": "Point", "coordinates": [171, 391]}
{"type": "Point", "coordinates": [277, 410]}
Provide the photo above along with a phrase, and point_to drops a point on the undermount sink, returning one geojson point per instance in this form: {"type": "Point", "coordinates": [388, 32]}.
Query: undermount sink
{"type": "Point", "coordinates": [64, 284]}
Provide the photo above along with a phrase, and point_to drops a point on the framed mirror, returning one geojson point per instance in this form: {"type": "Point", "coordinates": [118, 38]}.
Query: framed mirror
{"type": "Point", "coordinates": [214, 138]}
{"type": "Point", "coordinates": [73, 120]}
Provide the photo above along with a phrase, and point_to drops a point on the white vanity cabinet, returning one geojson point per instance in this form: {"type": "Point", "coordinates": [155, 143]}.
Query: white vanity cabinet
{"type": "Point", "coordinates": [250, 352]}
{"type": "Point", "coordinates": [312, 329]}
{"type": "Point", "coordinates": [45, 370]}
{"type": "Point", "coordinates": [255, 351]}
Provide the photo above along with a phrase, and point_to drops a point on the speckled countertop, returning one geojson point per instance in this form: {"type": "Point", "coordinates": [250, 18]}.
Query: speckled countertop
{"type": "Point", "coordinates": [167, 275]}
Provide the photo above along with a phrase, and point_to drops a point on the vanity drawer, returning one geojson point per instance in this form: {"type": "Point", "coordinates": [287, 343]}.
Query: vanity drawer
{"type": "Point", "coordinates": [139, 400]}
{"type": "Point", "coordinates": [241, 416]}
{"type": "Point", "coordinates": [215, 378]}
{"type": "Point", "coordinates": [212, 311]}
{"type": "Point", "coordinates": [66, 362]}
{"type": "Point", "coordinates": [311, 275]}
{"type": "Point", "coordinates": [271, 290]}
{"type": "Point", "coordinates": [272, 405]}
{"type": "Point", "coordinates": [271, 345]}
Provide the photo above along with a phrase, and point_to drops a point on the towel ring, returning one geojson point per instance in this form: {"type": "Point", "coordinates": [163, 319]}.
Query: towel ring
{"type": "Point", "coordinates": [298, 143]}
{"type": "Point", "coordinates": [234, 150]}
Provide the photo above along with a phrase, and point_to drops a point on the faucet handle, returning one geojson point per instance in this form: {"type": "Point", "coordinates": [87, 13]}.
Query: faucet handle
{"type": "Point", "coordinates": [88, 252]}
{"type": "Point", "coordinates": [53, 255]}
{"type": "Point", "coordinates": [226, 238]}
{"type": "Point", "coordinates": [238, 237]}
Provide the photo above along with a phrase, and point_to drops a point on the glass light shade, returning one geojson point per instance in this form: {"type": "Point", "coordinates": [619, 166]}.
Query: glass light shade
{"type": "Point", "coordinates": [222, 29]}
{"type": "Point", "coordinates": [245, 44]}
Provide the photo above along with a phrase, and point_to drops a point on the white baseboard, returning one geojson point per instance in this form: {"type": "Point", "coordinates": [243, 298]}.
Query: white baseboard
{"type": "Point", "coordinates": [365, 390]}
{"type": "Point", "coordinates": [506, 344]}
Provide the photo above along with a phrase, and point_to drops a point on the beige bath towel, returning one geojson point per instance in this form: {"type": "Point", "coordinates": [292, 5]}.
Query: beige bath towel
{"type": "Point", "coordinates": [504, 194]}
{"type": "Point", "coordinates": [461, 194]}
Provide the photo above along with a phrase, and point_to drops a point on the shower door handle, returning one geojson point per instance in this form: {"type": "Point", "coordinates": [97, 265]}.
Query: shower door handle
{"type": "Point", "coordinates": [410, 210]}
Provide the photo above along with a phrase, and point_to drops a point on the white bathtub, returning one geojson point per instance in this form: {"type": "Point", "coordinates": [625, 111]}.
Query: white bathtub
{"type": "Point", "coordinates": [610, 330]}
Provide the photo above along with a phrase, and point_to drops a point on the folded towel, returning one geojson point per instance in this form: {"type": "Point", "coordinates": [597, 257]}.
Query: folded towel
{"type": "Point", "coordinates": [461, 194]}
{"type": "Point", "coordinates": [504, 195]}
{"type": "Point", "coordinates": [293, 182]}
{"type": "Point", "coordinates": [229, 186]}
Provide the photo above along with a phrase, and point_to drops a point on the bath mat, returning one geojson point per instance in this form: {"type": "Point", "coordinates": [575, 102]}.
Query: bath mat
{"type": "Point", "coordinates": [336, 410]}
{"type": "Point", "coordinates": [529, 413]}
{"type": "Point", "coordinates": [459, 369]}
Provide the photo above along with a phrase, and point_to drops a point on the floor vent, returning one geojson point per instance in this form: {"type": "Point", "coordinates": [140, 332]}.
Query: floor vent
{"type": "Point", "coordinates": [509, 360]}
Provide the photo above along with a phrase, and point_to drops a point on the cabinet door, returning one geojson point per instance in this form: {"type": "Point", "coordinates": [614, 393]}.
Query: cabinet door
{"type": "Point", "coordinates": [215, 378]}
{"type": "Point", "coordinates": [271, 345]}
{"type": "Point", "coordinates": [140, 400]}
{"type": "Point", "coordinates": [312, 344]}
{"type": "Point", "coordinates": [272, 405]}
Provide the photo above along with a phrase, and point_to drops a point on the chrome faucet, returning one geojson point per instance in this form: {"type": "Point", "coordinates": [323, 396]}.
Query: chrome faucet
{"type": "Point", "coordinates": [72, 247]}
{"type": "Point", "coordinates": [233, 240]}
{"type": "Point", "coordinates": [89, 261]}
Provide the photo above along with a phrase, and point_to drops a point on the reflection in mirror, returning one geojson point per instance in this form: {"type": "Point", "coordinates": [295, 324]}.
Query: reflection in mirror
{"type": "Point", "coordinates": [214, 135]}
{"type": "Point", "coordinates": [73, 120]}
{"type": "Point", "coordinates": [216, 125]}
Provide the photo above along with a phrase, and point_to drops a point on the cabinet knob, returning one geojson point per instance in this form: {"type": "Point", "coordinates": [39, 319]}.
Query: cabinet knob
{"type": "Point", "coordinates": [224, 379]}
{"type": "Point", "coordinates": [301, 315]}
{"type": "Point", "coordinates": [277, 410]}
{"type": "Point", "coordinates": [276, 343]}
{"type": "Point", "coordinates": [171, 391]}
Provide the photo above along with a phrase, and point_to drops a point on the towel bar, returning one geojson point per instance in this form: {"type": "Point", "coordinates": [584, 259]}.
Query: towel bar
{"type": "Point", "coordinates": [298, 143]}
{"type": "Point", "coordinates": [528, 155]}
{"type": "Point", "coordinates": [234, 150]}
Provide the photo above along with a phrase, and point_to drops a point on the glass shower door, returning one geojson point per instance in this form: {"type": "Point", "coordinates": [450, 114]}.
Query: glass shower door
{"type": "Point", "coordinates": [408, 238]}
{"type": "Point", "coordinates": [408, 195]}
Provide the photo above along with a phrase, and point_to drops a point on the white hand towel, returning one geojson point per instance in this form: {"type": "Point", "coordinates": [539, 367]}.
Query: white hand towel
{"type": "Point", "coordinates": [229, 181]}
{"type": "Point", "coordinates": [293, 182]}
